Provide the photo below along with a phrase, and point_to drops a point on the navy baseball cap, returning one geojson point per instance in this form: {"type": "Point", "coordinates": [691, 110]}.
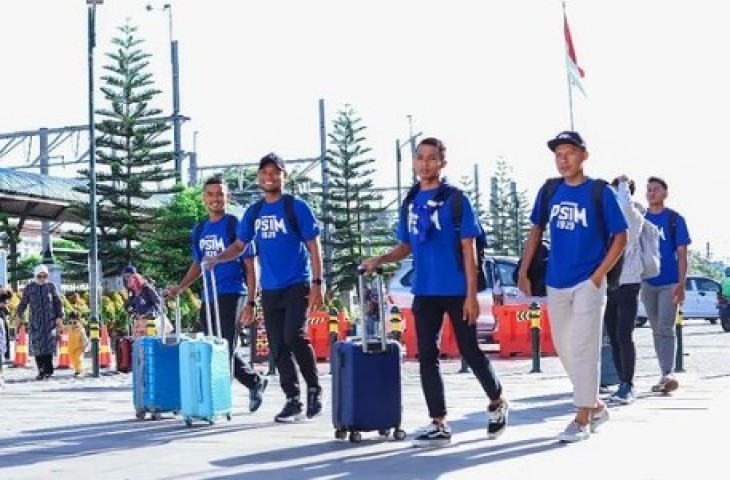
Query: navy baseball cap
{"type": "Point", "coordinates": [129, 269]}
{"type": "Point", "coordinates": [272, 158]}
{"type": "Point", "coordinates": [568, 136]}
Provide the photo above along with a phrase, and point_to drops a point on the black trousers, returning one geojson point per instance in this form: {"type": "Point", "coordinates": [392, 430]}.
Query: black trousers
{"type": "Point", "coordinates": [285, 318]}
{"type": "Point", "coordinates": [428, 312]}
{"type": "Point", "coordinates": [620, 320]}
{"type": "Point", "coordinates": [44, 364]}
{"type": "Point", "coordinates": [228, 308]}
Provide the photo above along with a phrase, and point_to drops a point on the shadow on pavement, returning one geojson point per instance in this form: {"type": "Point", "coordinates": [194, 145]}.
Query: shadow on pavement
{"type": "Point", "coordinates": [43, 445]}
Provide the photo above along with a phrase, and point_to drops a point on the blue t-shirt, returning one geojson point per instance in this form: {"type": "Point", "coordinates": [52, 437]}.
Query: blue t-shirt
{"type": "Point", "coordinates": [436, 268]}
{"type": "Point", "coordinates": [283, 255]}
{"type": "Point", "coordinates": [668, 266]}
{"type": "Point", "coordinates": [577, 243]}
{"type": "Point", "coordinates": [214, 238]}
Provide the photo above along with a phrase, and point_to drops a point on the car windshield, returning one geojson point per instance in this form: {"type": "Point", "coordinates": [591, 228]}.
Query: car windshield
{"type": "Point", "coordinates": [503, 271]}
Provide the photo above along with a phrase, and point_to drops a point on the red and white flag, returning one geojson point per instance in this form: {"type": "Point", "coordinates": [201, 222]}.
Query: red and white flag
{"type": "Point", "coordinates": [575, 73]}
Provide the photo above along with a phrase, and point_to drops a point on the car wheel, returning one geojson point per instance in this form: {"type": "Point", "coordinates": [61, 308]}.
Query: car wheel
{"type": "Point", "coordinates": [641, 321]}
{"type": "Point", "coordinates": [725, 322]}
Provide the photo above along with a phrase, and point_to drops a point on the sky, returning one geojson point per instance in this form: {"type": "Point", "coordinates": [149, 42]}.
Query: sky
{"type": "Point", "coordinates": [487, 77]}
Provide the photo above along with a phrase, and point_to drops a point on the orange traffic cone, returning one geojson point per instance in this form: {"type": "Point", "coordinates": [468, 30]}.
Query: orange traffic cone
{"type": "Point", "coordinates": [21, 347]}
{"type": "Point", "coordinates": [105, 352]}
{"type": "Point", "coordinates": [64, 359]}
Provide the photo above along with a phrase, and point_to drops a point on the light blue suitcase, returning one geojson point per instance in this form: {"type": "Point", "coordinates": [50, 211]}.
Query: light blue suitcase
{"type": "Point", "coordinates": [155, 372]}
{"type": "Point", "coordinates": [205, 371]}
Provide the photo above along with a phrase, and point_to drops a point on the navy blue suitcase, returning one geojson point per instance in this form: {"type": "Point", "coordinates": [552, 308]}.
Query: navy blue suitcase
{"type": "Point", "coordinates": [366, 380]}
{"type": "Point", "coordinates": [609, 375]}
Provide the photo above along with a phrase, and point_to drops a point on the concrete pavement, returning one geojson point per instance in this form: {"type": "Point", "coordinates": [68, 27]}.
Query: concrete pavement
{"type": "Point", "coordinates": [68, 428]}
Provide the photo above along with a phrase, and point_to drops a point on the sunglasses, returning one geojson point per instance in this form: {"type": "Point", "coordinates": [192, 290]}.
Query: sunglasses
{"type": "Point", "coordinates": [42, 275]}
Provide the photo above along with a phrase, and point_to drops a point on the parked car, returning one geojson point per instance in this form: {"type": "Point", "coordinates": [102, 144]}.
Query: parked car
{"type": "Point", "coordinates": [702, 299]}
{"type": "Point", "coordinates": [498, 268]}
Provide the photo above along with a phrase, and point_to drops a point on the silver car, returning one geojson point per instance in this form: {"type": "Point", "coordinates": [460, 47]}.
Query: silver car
{"type": "Point", "coordinates": [499, 269]}
{"type": "Point", "coordinates": [701, 300]}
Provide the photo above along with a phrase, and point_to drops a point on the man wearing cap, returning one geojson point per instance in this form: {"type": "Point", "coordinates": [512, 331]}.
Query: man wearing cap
{"type": "Point", "coordinates": [233, 281]}
{"type": "Point", "coordinates": [46, 315]}
{"type": "Point", "coordinates": [291, 282]}
{"type": "Point", "coordinates": [578, 263]}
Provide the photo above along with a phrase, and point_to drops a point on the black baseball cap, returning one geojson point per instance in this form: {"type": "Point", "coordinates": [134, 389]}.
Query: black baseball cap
{"type": "Point", "coordinates": [272, 158]}
{"type": "Point", "coordinates": [568, 136]}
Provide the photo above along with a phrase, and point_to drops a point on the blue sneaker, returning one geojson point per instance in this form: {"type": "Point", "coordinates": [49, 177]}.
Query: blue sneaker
{"type": "Point", "coordinates": [625, 394]}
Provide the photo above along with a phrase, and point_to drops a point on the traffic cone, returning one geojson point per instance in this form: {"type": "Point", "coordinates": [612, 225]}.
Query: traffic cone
{"type": "Point", "coordinates": [21, 347]}
{"type": "Point", "coordinates": [105, 353]}
{"type": "Point", "coordinates": [64, 359]}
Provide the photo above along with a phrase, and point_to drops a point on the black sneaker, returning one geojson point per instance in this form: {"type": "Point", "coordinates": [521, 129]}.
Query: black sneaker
{"type": "Point", "coordinates": [292, 412]}
{"type": "Point", "coordinates": [256, 394]}
{"type": "Point", "coordinates": [498, 415]}
{"type": "Point", "coordinates": [433, 435]}
{"type": "Point", "coordinates": [314, 401]}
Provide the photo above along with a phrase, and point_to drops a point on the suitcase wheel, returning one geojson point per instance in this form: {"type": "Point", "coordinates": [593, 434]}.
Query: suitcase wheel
{"type": "Point", "coordinates": [211, 422]}
{"type": "Point", "coordinates": [340, 434]}
{"type": "Point", "coordinates": [140, 414]}
{"type": "Point", "coordinates": [399, 434]}
{"type": "Point", "coordinates": [189, 422]}
{"type": "Point", "coordinates": [355, 437]}
{"type": "Point", "coordinates": [384, 433]}
{"type": "Point", "coordinates": [156, 416]}
{"type": "Point", "coordinates": [228, 417]}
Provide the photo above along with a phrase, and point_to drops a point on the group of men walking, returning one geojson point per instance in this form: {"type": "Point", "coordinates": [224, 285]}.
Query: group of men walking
{"type": "Point", "coordinates": [587, 239]}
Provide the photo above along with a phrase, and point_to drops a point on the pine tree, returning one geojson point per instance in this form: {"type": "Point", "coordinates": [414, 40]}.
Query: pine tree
{"type": "Point", "coordinates": [133, 161]}
{"type": "Point", "coordinates": [508, 217]}
{"type": "Point", "coordinates": [358, 224]}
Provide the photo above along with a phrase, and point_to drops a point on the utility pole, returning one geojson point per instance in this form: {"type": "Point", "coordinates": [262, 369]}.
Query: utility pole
{"type": "Point", "coordinates": [93, 239]}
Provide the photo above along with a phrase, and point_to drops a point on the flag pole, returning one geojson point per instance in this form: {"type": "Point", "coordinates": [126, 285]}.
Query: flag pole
{"type": "Point", "coordinates": [570, 83]}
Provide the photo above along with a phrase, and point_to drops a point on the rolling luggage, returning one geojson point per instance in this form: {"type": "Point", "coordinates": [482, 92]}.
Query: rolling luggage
{"type": "Point", "coordinates": [155, 371]}
{"type": "Point", "coordinates": [366, 374]}
{"type": "Point", "coordinates": [123, 352]}
{"type": "Point", "coordinates": [205, 369]}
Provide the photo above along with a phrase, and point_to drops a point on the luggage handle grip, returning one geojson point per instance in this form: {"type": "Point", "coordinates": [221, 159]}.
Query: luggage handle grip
{"type": "Point", "coordinates": [378, 281]}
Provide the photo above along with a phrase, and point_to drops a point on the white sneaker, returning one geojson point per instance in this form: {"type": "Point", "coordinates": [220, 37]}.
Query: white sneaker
{"type": "Point", "coordinates": [574, 432]}
{"type": "Point", "coordinates": [598, 418]}
{"type": "Point", "coordinates": [666, 384]}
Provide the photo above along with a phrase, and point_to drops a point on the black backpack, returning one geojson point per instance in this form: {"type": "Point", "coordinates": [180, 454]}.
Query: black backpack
{"type": "Point", "coordinates": [288, 212]}
{"type": "Point", "coordinates": [537, 270]}
{"type": "Point", "coordinates": [442, 195]}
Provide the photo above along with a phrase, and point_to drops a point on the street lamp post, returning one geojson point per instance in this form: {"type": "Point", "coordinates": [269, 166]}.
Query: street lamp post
{"type": "Point", "coordinates": [399, 159]}
{"type": "Point", "coordinates": [93, 240]}
{"type": "Point", "coordinates": [176, 119]}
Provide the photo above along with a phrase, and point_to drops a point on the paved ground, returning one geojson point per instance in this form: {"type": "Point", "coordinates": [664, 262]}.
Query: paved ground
{"type": "Point", "coordinates": [85, 428]}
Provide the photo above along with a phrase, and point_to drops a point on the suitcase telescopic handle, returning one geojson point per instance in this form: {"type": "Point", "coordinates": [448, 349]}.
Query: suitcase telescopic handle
{"type": "Point", "coordinates": [214, 301]}
{"type": "Point", "coordinates": [376, 282]}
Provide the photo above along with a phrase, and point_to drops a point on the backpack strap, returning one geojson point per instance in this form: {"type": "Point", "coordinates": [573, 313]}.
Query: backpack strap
{"type": "Point", "coordinates": [410, 196]}
{"type": "Point", "coordinates": [231, 227]}
{"type": "Point", "coordinates": [597, 195]}
{"type": "Point", "coordinates": [255, 211]}
{"type": "Point", "coordinates": [547, 192]}
{"type": "Point", "coordinates": [197, 232]}
{"type": "Point", "coordinates": [673, 219]}
{"type": "Point", "coordinates": [291, 216]}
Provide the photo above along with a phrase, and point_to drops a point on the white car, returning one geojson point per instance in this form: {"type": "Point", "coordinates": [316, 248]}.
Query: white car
{"type": "Point", "coordinates": [498, 269]}
{"type": "Point", "coordinates": [701, 300]}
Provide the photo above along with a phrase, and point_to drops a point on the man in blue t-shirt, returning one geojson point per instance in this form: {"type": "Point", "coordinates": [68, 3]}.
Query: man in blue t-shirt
{"type": "Point", "coordinates": [289, 288]}
{"type": "Point", "coordinates": [662, 294]}
{"type": "Point", "coordinates": [445, 281]}
{"type": "Point", "coordinates": [208, 239]}
{"type": "Point", "coordinates": [579, 260]}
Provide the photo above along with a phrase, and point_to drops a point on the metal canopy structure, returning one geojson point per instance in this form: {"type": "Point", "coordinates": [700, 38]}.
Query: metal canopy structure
{"type": "Point", "coordinates": [39, 197]}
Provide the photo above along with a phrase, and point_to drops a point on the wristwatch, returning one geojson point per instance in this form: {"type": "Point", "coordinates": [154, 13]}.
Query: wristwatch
{"type": "Point", "coordinates": [317, 281]}
{"type": "Point", "coordinates": [251, 303]}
